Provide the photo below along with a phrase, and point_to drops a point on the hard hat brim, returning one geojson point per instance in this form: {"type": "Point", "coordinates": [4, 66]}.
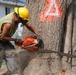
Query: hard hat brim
{"type": "Point", "coordinates": [16, 10]}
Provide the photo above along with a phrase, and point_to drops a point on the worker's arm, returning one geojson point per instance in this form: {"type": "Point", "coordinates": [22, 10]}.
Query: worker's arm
{"type": "Point", "coordinates": [31, 28]}
{"type": "Point", "coordinates": [5, 30]}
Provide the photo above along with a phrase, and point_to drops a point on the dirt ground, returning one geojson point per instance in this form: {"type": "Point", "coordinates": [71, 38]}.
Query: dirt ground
{"type": "Point", "coordinates": [3, 69]}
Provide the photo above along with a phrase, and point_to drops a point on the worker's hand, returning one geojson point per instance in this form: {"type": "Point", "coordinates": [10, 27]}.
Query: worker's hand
{"type": "Point", "coordinates": [18, 41]}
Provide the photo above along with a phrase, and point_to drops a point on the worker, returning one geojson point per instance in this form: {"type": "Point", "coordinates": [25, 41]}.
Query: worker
{"type": "Point", "coordinates": [8, 26]}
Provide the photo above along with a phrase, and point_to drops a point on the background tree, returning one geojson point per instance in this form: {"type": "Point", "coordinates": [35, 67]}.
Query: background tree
{"type": "Point", "coordinates": [58, 34]}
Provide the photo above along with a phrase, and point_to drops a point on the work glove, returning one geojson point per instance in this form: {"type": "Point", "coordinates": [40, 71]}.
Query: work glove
{"type": "Point", "coordinates": [19, 41]}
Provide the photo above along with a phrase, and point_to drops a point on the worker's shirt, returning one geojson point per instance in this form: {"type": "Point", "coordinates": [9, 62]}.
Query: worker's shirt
{"type": "Point", "coordinates": [8, 19]}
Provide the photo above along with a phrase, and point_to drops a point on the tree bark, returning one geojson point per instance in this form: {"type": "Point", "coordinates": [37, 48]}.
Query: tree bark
{"type": "Point", "coordinates": [57, 35]}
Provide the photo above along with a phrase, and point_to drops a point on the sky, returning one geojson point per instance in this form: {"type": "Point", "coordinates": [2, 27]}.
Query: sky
{"type": "Point", "coordinates": [22, 0]}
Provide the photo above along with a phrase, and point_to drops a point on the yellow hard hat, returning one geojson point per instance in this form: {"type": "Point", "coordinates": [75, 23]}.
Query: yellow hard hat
{"type": "Point", "coordinates": [22, 12]}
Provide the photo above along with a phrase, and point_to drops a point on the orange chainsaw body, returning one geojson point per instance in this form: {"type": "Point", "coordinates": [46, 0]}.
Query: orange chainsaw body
{"type": "Point", "coordinates": [29, 43]}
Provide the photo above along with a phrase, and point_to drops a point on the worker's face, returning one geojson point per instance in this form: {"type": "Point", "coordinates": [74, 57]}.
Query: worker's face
{"type": "Point", "coordinates": [23, 21]}
{"type": "Point", "coordinates": [17, 19]}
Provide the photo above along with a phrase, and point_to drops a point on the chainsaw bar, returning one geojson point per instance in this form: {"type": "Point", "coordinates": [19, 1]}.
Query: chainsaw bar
{"type": "Point", "coordinates": [59, 53]}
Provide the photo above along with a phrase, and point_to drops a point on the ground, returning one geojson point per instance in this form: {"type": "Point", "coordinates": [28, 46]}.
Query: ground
{"type": "Point", "coordinates": [3, 69]}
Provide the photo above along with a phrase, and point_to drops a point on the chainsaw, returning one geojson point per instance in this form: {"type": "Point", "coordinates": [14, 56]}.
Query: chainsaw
{"type": "Point", "coordinates": [30, 43]}
{"type": "Point", "coordinates": [34, 44]}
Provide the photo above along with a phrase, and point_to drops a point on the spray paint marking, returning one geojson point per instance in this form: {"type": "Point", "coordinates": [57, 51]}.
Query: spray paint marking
{"type": "Point", "coordinates": [52, 11]}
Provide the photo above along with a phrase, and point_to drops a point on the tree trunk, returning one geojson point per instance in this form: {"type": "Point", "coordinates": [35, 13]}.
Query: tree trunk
{"type": "Point", "coordinates": [57, 31]}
